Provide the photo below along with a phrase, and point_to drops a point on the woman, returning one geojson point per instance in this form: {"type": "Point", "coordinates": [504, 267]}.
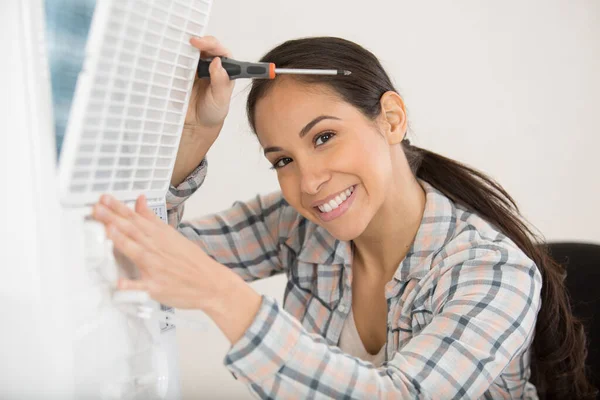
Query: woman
{"type": "Point", "coordinates": [409, 274]}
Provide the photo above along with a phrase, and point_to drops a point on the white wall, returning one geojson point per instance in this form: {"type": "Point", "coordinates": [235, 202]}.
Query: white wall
{"type": "Point", "coordinates": [509, 87]}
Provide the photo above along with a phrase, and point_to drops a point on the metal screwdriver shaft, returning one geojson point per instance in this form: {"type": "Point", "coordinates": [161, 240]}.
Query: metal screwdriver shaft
{"type": "Point", "coordinates": [293, 71]}
{"type": "Point", "coordinates": [262, 70]}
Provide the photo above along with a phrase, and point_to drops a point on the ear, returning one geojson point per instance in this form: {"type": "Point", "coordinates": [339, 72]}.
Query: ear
{"type": "Point", "coordinates": [393, 117]}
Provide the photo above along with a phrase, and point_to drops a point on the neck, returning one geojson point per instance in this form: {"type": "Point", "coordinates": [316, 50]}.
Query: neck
{"type": "Point", "coordinates": [390, 234]}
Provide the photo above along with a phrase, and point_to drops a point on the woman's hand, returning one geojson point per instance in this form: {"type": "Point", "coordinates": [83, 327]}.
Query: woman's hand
{"type": "Point", "coordinates": [172, 269]}
{"type": "Point", "coordinates": [209, 102]}
{"type": "Point", "coordinates": [207, 109]}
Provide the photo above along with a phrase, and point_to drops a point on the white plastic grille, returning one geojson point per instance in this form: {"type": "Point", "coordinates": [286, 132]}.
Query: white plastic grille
{"type": "Point", "coordinates": [131, 99]}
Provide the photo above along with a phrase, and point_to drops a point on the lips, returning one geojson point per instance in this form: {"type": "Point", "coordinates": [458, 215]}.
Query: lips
{"type": "Point", "coordinates": [333, 202]}
{"type": "Point", "coordinates": [335, 205]}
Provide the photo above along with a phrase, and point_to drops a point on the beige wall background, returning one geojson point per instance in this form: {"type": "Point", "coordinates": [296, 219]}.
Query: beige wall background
{"type": "Point", "coordinates": [509, 87]}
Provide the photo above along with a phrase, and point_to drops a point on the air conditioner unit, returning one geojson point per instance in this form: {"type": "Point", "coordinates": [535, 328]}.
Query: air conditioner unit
{"type": "Point", "coordinates": [132, 71]}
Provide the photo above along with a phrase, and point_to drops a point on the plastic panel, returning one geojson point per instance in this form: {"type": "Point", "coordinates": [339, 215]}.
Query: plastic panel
{"type": "Point", "coordinates": [131, 99]}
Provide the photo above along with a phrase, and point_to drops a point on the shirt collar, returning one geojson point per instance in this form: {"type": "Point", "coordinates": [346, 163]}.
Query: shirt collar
{"type": "Point", "coordinates": [436, 229]}
{"type": "Point", "coordinates": [321, 247]}
{"type": "Point", "coordinates": [434, 232]}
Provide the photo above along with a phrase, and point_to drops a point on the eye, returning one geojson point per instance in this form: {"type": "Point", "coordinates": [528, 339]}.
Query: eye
{"type": "Point", "coordinates": [282, 162]}
{"type": "Point", "coordinates": [323, 138]}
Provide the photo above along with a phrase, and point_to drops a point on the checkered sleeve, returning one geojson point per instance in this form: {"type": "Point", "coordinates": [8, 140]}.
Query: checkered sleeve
{"type": "Point", "coordinates": [176, 196]}
{"type": "Point", "coordinates": [485, 308]}
{"type": "Point", "coordinates": [246, 237]}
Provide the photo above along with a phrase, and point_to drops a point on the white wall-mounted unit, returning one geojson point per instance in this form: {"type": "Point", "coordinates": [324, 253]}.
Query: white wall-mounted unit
{"type": "Point", "coordinates": [123, 121]}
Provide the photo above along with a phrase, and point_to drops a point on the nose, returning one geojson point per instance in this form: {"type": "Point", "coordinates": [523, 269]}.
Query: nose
{"type": "Point", "coordinates": [313, 176]}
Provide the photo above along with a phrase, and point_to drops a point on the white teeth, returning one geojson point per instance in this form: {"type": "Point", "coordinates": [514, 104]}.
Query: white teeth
{"type": "Point", "coordinates": [337, 201]}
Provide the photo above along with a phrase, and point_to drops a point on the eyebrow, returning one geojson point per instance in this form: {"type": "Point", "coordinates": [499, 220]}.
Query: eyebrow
{"type": "Point", "coordinates": [312, 123]}
{"type": "Point", "coordinates": [304, 130]}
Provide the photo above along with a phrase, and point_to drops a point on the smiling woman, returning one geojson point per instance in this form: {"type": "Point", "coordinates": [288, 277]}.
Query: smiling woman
{"type": "Point", "coordinates": [409, 275]}
{"type": "Point", "coordinates": [329, 155]}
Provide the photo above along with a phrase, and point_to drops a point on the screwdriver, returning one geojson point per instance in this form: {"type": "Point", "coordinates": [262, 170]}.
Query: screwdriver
{"type": "Point", "coordinates": [262, 70]}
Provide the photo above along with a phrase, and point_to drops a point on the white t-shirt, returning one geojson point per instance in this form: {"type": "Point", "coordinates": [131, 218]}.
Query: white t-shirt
{"type": "Point", "coordinates": [351, 343]}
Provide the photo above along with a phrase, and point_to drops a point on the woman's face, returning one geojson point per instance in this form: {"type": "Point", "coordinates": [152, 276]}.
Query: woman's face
{"type": "Point", "coordinates": [333, 164]}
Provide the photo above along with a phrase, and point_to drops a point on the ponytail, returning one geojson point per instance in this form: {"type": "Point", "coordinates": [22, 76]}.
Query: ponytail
{"type": "Point", "coordinates": [559, 345]}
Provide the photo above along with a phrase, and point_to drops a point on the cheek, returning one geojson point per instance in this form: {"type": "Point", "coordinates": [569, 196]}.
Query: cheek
{"type": "Point", "coordinates": [369, 155]}
{"type": "Point", "coordinates": [374, 166]}
{"type": "Point", "coordinates": [290, 189]}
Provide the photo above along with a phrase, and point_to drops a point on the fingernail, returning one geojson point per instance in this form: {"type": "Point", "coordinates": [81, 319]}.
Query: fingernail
{"type": "Point", "coordinates": [99, 211]}
{"type": "Point", "coordinates": [105, 200]}
{"type": "Point", "coordinates": [113, 231]}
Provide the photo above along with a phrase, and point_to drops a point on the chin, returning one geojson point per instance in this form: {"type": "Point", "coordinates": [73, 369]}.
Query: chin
{"type": "Point", "coordinates": [345, 234]}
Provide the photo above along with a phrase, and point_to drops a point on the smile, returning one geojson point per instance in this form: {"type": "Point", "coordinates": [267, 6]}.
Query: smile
{"type": "Point", "coordinates": [337, 205]}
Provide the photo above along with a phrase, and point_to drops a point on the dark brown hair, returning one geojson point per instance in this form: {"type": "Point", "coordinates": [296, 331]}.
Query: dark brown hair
{"type": "Point", "coordinates": [559, 346]}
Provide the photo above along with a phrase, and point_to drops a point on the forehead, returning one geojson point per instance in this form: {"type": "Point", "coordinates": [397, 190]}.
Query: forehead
{"type": "Point", "coordinates": [289, 105]}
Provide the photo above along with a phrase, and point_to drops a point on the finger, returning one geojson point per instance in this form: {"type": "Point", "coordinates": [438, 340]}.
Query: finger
{"type": "Point", "coordinates": [220, 83]}
{"type": "Point", "coordinates": [218, 76]}
{"type": "Point", "coordinates": [209, 46]}
{"type": "Point", "coordinates": [115, 205]}
{"type": "Point", "coordinates": [109, 209]}
{"type": "Point", "coordinates": [129, 247]}
{"type": "Point", "coordinates": [104, 215]}
{"type": "Point", "coordinates": [125, 226]}
{"type": "Point", "coordinates": [129, 284]}
{"type": "Point", "coordinates": [141, 207]}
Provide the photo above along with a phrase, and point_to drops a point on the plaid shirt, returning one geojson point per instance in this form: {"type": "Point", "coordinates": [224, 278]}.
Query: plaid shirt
{"type": "Point", "coordinates": [462, 305]}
